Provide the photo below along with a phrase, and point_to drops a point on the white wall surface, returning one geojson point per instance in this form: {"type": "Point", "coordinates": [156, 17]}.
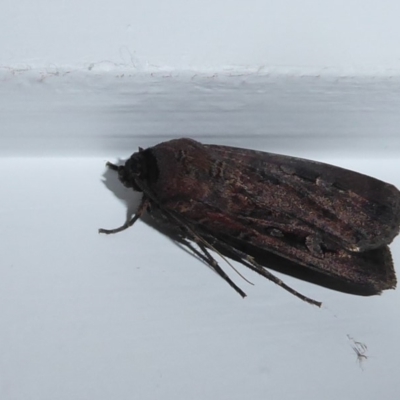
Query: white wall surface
{"type": "Point", "coordinates": [351, 34]}
{"type": "Point", "coordinates": [84, 316]}
{"type": "Point", "coordinates": [132, 316]}
{"type": "Point", "coordinates": [47, 113]}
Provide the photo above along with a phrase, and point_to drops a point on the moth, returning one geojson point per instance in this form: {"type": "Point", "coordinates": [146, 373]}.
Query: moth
{"type": "Point", "coordinates": [319, 222]}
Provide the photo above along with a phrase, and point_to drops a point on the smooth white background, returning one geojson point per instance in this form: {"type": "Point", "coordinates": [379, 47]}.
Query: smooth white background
{"type": "Point", "coordinates": [202, 34]}
{"type": "Point", "coordinates": [85, 316]}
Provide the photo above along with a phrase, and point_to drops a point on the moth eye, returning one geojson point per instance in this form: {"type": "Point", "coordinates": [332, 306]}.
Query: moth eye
{"type": "Point", "coordinates": [142, 167]}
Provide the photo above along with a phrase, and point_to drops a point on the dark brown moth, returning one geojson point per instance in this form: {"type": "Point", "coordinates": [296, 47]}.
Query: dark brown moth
{"type": "Point", "coordinates": [263, 209]}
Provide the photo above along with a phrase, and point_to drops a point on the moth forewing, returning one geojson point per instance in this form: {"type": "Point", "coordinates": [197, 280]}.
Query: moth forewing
{"type": "Point", "coordinates": [323, 219]}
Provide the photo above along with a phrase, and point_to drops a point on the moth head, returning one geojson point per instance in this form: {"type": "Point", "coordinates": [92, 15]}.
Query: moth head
{"type": "Point", "coordinates": [139, 171]}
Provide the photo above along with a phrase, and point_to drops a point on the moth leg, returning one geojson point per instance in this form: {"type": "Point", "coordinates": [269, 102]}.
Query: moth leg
{"type": "Point", "coordinates": [251, 263]}
{"type": "Point", "coordinates": [140, 211]}
{"type": "Point", "coordinates": [209, 259]}
{"type": "Point", "coordinates": [264, 272]}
